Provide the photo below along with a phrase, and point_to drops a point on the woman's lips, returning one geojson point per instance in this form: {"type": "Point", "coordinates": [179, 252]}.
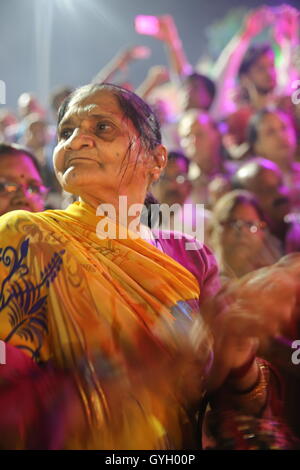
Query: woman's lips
{"type": "Point", "coordinates": [74, 159]}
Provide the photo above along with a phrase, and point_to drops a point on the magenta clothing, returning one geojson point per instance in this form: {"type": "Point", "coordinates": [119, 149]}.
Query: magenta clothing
{"type": "Point", "coordinates": [200, 261]}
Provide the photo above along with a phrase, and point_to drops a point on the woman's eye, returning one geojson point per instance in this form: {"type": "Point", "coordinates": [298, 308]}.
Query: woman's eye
{"type": "Point", "coordinates": [65, 133]}
{"type": "Point", "coordinates": [103, 126]}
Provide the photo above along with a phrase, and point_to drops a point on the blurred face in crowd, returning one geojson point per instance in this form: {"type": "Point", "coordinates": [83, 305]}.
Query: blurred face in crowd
{"type": "Point", "coordinates": [28, 104]}
{"type": "Point", "coordinates": [244, 228]}
{"type": "Point", "coordinates": [273, 196]}
{"type": "Point", "coordinates": [6, 119]}
{"type": "Point", "coordinates": [201, 141]}
{"type": "Point", "coordinates": [21, 186]}
{"type": "Point", "coordinates": [36, 135]}
{"type": "Point", "coordinates": [195, 95]}
{"type": "Point", "coordinates": [262, 74]}
{"type": "Point", "coordinates": [58, 98]}
{"type": "Point", "coordinates": [162, 110]}
{"type": "Point", "coordinates": [276, 139]}
{"type": "Point", "coordinates": [174, 186]}
{"type": "Point", "coordinates": [242, 239]}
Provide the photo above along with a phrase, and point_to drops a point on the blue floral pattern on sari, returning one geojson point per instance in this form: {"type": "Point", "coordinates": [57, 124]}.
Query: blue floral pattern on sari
{"type": "Point", "coordinates": [26, 300]}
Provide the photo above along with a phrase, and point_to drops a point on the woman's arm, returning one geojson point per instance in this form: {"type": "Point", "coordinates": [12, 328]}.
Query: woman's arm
{"type": "Point", "coordinates": [168, 33]}
{"type": "Point", "coordinates": [120, 62]}
{"type": "Point", "coordinates": [225, 70]}
{"type": "Point", "coordinates": [156, 76]}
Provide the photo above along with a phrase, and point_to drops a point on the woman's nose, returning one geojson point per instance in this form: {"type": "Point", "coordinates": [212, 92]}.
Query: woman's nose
{"type": "Point", "coordinates": [80, 139]}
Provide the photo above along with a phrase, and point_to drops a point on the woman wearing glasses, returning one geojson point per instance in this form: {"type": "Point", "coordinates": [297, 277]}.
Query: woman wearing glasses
{"type": "Point", "coordinates": [240, 236]}
{"type": "Point", "coordinates": [21, 185]}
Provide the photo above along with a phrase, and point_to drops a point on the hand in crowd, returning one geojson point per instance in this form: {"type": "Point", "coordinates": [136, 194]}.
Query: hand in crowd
{"type": "Point", "coordinates": [286, 26]}
{"type": "Point", "coordinates": [158, 74]}
{"type": "Point", "coordinates": [249, 311]}
{"type": "Point", "coordinates": [133, 53]}
{"type": "Point", "coordinates": [255, 21]}
{"type": "Point", "coordinates": [167, 30]}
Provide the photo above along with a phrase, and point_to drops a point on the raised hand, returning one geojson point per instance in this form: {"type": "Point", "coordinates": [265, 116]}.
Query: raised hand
{"type": "Point", "coordinates": [286, 25]}
{"type": "Point", "coordinates": [256, 21]}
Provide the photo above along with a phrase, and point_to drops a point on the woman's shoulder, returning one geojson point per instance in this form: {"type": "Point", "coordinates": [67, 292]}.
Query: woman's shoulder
{"type": "Point", "coordinates": [13, 216]}
{"type": "Point", "coordinates": [179, 240]}
{"type": "Point", "coordinates": [193, 255]}
{"type": "Point", "coordinates": [11, 222]}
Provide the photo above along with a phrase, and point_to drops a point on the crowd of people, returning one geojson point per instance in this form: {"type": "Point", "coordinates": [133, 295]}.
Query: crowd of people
{"type": "Point", "coordinates": [93, 325]}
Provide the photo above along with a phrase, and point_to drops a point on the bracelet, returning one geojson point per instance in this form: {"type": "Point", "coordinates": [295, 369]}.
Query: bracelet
{"type": "Point", "coordinates": [258, 390]}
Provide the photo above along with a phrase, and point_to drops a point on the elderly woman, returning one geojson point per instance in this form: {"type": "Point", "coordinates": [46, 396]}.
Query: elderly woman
{"type": "Point", "coordinates": [95, 319]}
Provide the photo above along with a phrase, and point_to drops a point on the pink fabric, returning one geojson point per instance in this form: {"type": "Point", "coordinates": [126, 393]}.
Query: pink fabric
{"type": "Point", "coordinates": [200, 261]}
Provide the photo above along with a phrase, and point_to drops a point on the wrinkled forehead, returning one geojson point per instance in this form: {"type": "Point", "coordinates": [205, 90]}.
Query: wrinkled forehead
{"type": "Point", "coordinates": [86, 102]}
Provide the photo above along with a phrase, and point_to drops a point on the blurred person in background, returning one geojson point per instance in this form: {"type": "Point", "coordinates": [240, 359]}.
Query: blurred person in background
{"type": "Point", "coordinates": [161, 102]}
{"type": "Point", "coordinates": [240, 237]}
{"type": "Point", "coordinates": [7, 119]}
{"type": "Point", "coordinates": [27, 104]}
{"type": "Point", "coordinates": [173, 186]}
{"type": "Point", "coordinates": [265, 180]}
{"type": "Point", "coordinates": [202, 143]}
{"type": "Point", "coordinates": [219, 186]}
{"type": "Point", "coordinates": [194, 90]}
{"type": "Point", "coordinates": [248, 77]}
{"type": "Point", "coordinates": [174, 189]}
{"type": "Point", "coordinates": [197, 92]}
{"type": "Point", "coordinates": [57, 96]}
{"type": "Point", "coordinates": [271, 134]}
{"type": "Point", "coordinates": [37, 138]}
{"type": "Point", "coordinates": [261, 83]}
{"type": "Point", "coordinates": [21, 184]}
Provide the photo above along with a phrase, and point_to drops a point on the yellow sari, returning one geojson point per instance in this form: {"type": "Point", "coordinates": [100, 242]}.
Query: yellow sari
{"type": "Point", "coordinates": [117, 313]}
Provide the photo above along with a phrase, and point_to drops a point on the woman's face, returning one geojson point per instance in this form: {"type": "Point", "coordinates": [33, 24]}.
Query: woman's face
{"type": "Point", "coordinates": [201, 141]}
{"type": "Point", "coordinates": [19, 170]}
{"type": "Point", "coordinates": [243, 233]}
{"type": "Point", "coordinates": [99, 155]}
{"type": "Point", "coordinates": [276, 138]}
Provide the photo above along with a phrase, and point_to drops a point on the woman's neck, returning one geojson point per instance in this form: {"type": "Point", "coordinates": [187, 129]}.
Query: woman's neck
{"type": "Point", "coordinates": [123, 210]}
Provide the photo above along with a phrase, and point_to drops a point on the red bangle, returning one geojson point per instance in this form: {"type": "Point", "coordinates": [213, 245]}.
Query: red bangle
{"type": "Point", "coordinates": [241, 371]}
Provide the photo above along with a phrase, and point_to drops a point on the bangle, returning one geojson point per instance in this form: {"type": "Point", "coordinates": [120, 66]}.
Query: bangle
{"type": "Point", "coordinates": [241, 371]}
{"type": "Point", "coordinates": [258, 390]}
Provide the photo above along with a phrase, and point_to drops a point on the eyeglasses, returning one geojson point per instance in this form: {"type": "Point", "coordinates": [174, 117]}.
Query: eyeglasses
{"type": "Point", "coordinates": [9, 188]}
{"type": "Point", "coordinates": [238, 225]}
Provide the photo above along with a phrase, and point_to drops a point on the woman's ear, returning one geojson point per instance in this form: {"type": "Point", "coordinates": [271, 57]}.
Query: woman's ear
{"type": "Point", "coordinates": [159, 162]}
